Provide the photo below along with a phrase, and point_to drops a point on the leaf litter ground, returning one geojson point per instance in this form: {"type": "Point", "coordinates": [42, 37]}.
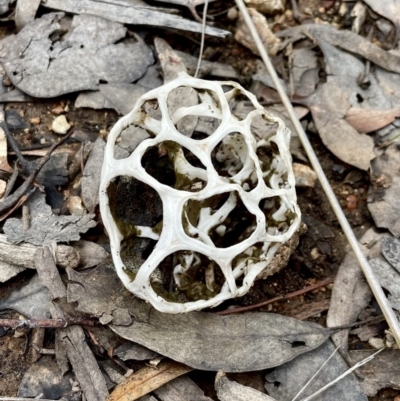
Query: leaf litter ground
{"type": "Point", "coordinates": [319, 254]}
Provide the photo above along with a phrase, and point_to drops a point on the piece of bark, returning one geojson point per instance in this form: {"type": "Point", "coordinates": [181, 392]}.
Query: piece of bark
{"type": "Point", "coordinates": [84, 363]}
{"type": "Point", "coordinates": [72, 338]}
{"type": "Point", "coordinates": [48, 273]}
{"type": "Point", "coordinates": [46, 228]}
{"type": "Point", "coordinates": [125, 13]}
{"type": "Point", "coordinates": [91, 176]}
{"type": "Point", "coordinates": [25, 12]}
{"type": "Point", "coordinates": [23, 255]}
{"type": "Point", "coordinates": [228, 390]}
{"type": "Point", "coordinates": [148, 379]}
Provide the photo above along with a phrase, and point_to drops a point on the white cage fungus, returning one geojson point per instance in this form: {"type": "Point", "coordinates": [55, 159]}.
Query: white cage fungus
{"type": "Point", "coordinates": [229, 207]}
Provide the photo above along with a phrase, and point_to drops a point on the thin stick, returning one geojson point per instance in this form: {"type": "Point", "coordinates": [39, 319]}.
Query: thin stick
{"type": "Point", "coordinates": [13, 199]}
{"type": "Point", "coordinates": [279, 298]}
{"type": "Point", "coordinates": [362, 260]}
{"type": "Point", "coordinates": [203, 33]}
{"type": "Point", "coordinates": [24, 163]}
{"type": "Point", "coordinates": [20, 399]}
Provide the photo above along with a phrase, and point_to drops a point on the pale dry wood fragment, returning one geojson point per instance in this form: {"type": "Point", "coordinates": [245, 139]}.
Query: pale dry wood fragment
{"type": "Point", "coordinates": [37, 340]}
{"type": "Point", "coordinates": [148, 379]}
{"type": "Point", "coordinates": [23, 255]}
{"type": "Point", "coordinates": [3, 151]}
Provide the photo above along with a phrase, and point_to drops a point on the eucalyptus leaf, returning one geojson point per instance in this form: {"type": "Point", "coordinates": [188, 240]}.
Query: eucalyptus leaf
{"type": "Point", "coordinates": [233, 343]}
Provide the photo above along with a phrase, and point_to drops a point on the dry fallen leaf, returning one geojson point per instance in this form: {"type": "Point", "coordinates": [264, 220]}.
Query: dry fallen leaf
{"type": "Point", "coordinates": [286, 381]}
{"type": "Point", "coordinates": [350, 295]}
{"type": "Point", "coordinates": [389, 279]}
{"type": "Point", "coordinates": [201, 340]}
{"type": "Point", "coordinates": [381, 372]}
{"type": "Point", "coordinates": [389, 9]}
{"type": "Point", "coordinates": [346, 40]}
{"type": "Point", "coordinates": [52, 68]}
{"type": "Point", "coordinates": [384, 201]}
{"type": "Point", "coordinates": [369, 120]}
{"type": "Point", "coordinates": [329, 105]}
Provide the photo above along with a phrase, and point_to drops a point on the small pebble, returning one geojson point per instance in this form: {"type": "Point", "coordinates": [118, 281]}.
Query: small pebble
{"type": "Point", "coordinates": [232, 13]}
{"type": "Point", "coordinates": [7, 81]}
{"type": "Point", "coordinates": [60, 125]}
{"type": "Point", "coordinates": [34, 120]}
{"type": "Point", "coordinates": [304, 175]}
{"type": "Point", "coordinates": [75, 206]}
{"type": "Point", "coordinates": [57, 110]}
{"type": "Point", "coordinates": [15, 344]}
{"type": "Point", "coordinates": [352, 202]}
{"type": "Point", "coordinates": [314, 254]}
{"type": "Point", "coordinates": [376, 343]}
